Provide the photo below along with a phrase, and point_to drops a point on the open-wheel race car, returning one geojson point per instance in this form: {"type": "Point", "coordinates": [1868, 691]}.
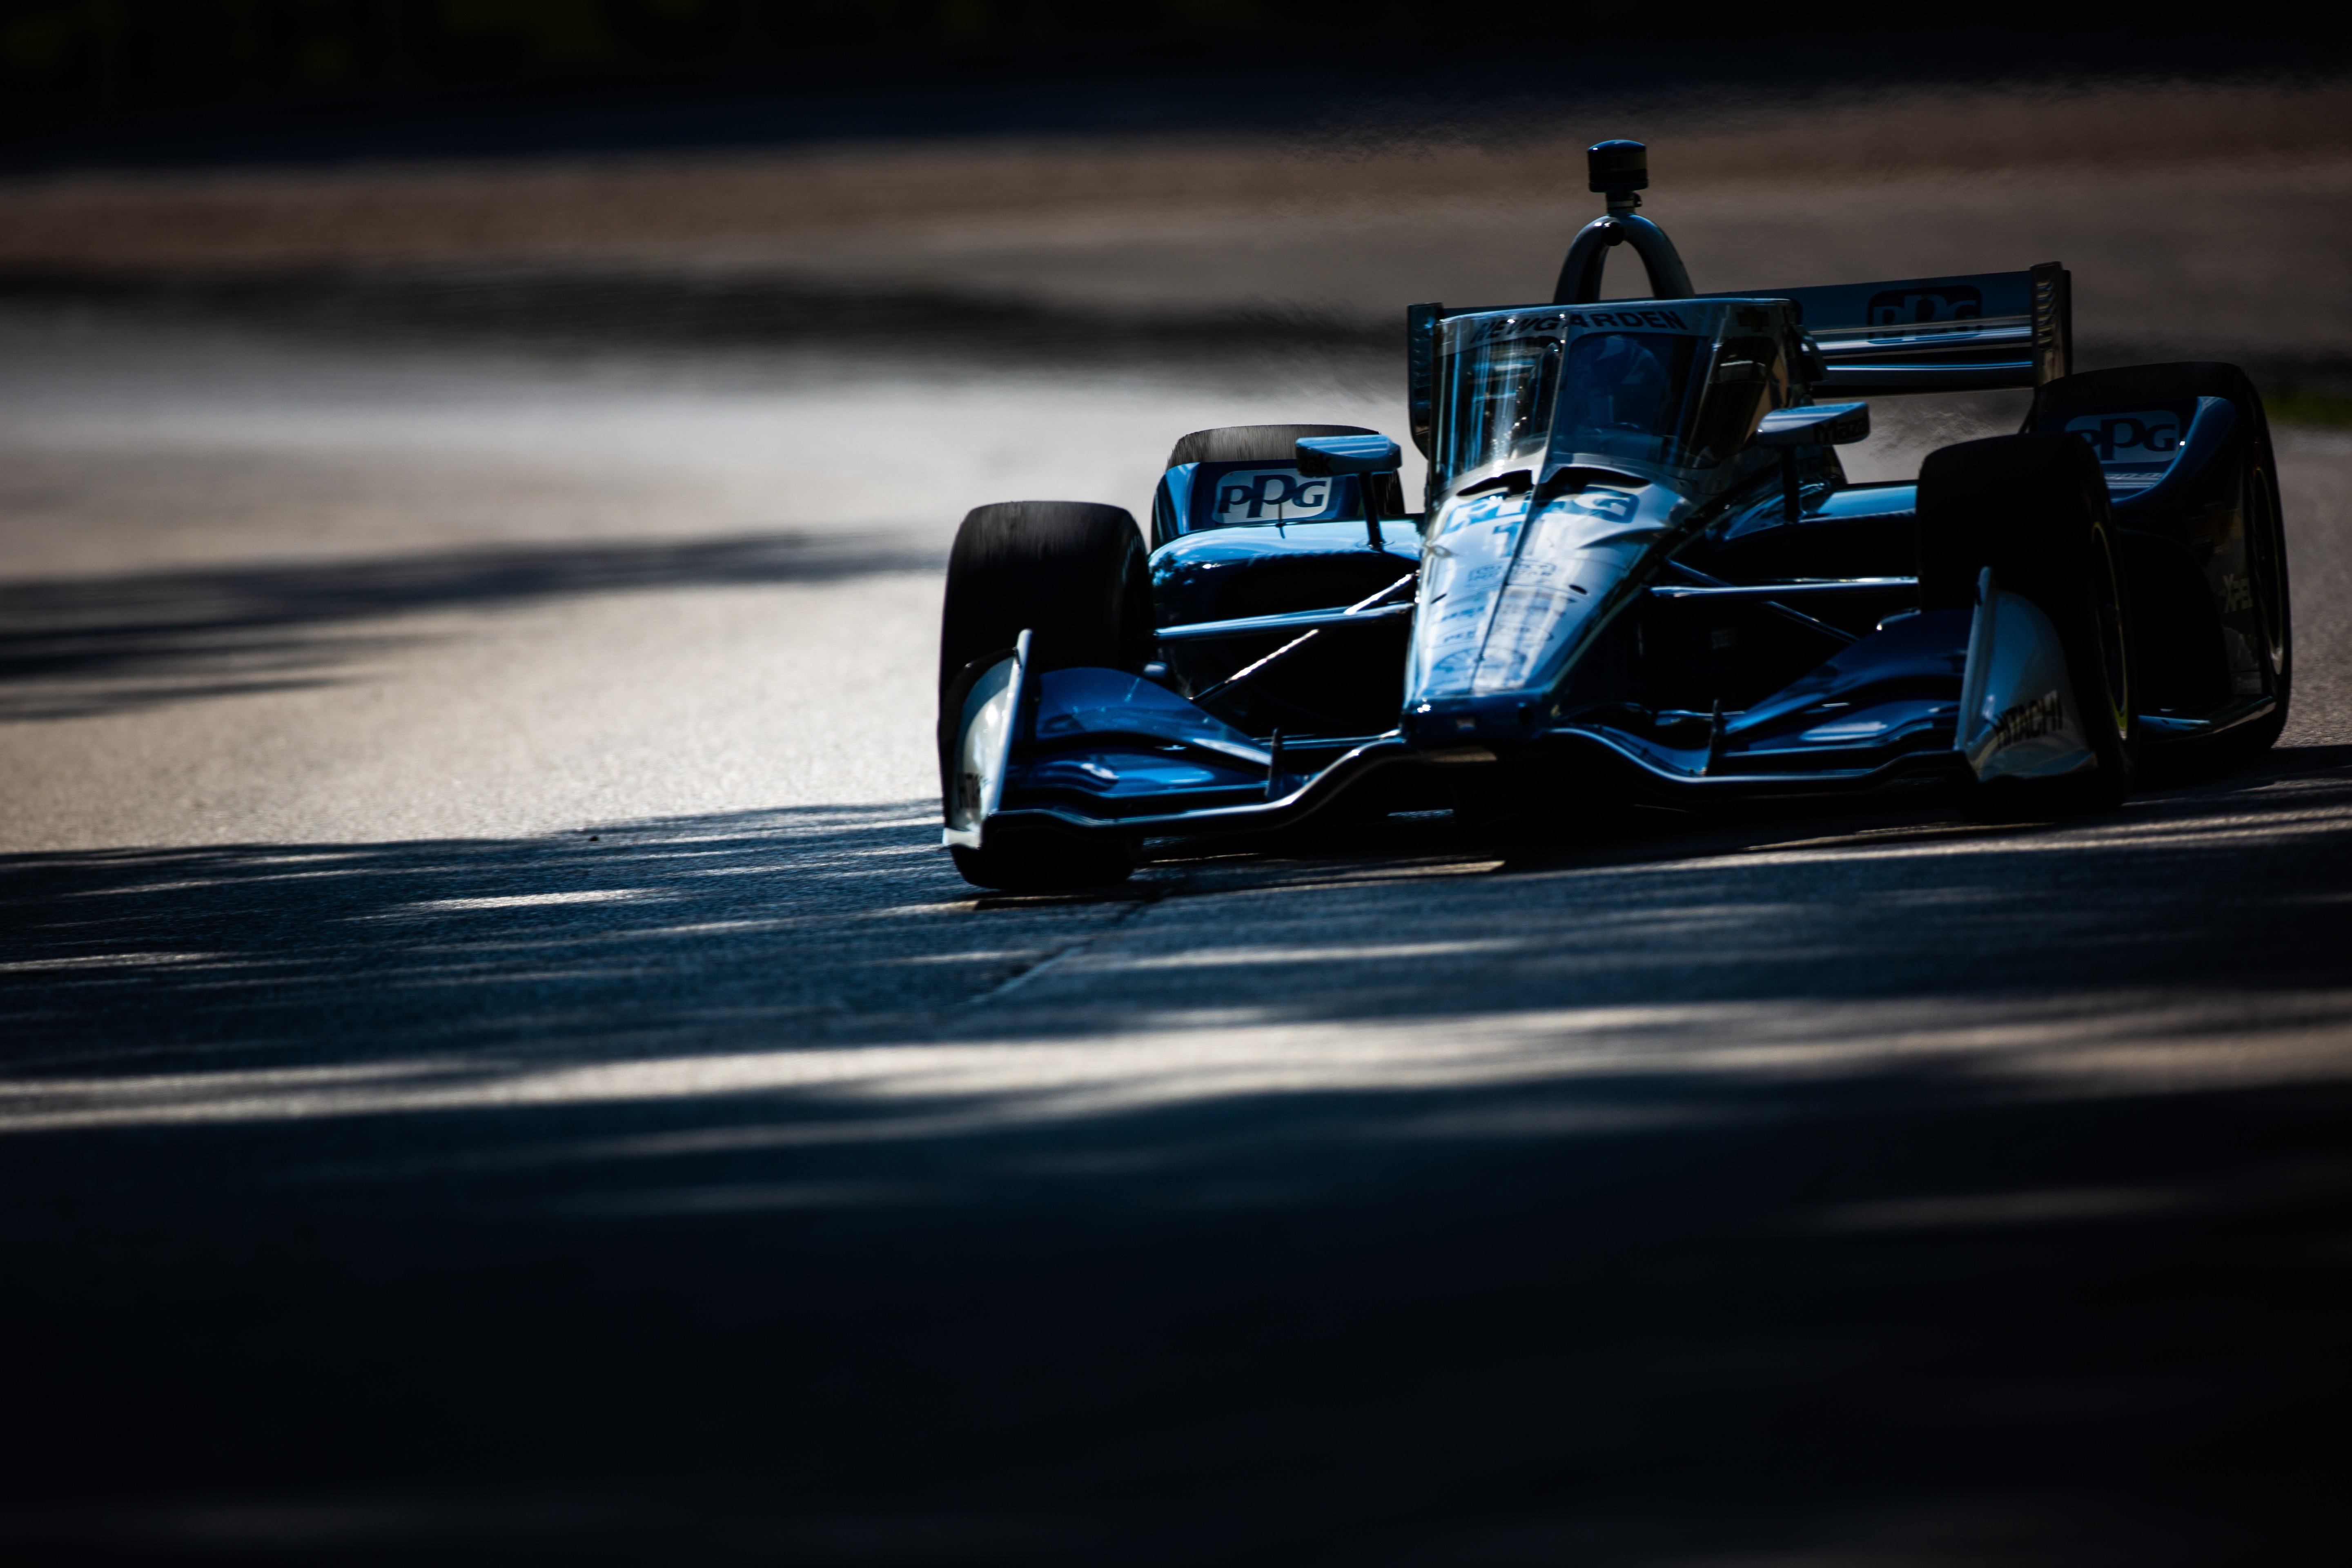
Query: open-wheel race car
{"type": "Point", "coordinates": [1638, 569]}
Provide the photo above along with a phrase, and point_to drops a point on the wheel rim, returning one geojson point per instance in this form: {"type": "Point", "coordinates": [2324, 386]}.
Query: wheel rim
{"type": "Point", "coordinates": [2107, 607]}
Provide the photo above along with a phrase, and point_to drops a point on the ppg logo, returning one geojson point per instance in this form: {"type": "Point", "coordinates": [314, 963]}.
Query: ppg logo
{"type": "Point", "coordinates": [1271, 495]}
{"type": "Point", "coordinates": [2151, 435]}
{"type": "Point", "coordinates": [1924, 307]}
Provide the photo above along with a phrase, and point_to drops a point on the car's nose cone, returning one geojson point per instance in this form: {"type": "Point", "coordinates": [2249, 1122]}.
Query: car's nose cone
{"type": "Point", "coordinates": [1444, 723]}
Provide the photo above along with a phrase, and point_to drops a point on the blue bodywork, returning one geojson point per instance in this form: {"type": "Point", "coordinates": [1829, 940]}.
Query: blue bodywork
{"type": "Point", "coordinates": [1637, 553]}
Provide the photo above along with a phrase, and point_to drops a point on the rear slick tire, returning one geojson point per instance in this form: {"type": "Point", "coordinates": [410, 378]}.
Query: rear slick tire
{"type": "Point", "coordinates": [2180, 385]}
{"type": "Point", "coordinates": [2035, 509]}
{"type": "Point", "coordinates": [2266, 542]}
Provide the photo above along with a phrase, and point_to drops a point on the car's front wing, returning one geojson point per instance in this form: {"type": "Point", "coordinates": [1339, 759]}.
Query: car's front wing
{"type": "Point", "coordinates": [1955, 694]}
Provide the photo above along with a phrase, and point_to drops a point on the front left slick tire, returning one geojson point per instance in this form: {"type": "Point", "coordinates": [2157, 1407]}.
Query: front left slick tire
{"type": "Point", "coordinates": [1063, 864]}
{"type": "Point", "coordinates": [2035, 509]}
{"type": "Point", "coordinates": [1072, 576]}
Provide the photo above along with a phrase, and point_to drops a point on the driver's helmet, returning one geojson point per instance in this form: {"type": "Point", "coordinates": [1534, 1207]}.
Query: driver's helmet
{"type": "Point", "coordinates": [1618, 382]}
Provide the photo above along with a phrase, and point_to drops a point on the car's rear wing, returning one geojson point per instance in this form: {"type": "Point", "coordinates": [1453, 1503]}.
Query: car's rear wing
{"type": "Point", "coordinates": [1985, 330]}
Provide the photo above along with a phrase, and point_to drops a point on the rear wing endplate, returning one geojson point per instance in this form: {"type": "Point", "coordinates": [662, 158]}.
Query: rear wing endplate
{"type": "Point", "coordinates": [1985, 331]}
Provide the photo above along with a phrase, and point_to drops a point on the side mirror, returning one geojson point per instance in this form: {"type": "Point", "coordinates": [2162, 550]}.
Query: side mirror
{"type": "Point", "coordinates": [1821, 425]}
{"type": "Point", "coordinates": [1794, 429]}
{"type": "Point", "coordinates": [1328, 456]}
{"type": "Point", "coordinates": [1810, 366]}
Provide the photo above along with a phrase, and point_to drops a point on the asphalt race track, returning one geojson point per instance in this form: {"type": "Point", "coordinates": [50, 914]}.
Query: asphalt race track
{"type": "Point", "coordinates": [497, 1067]}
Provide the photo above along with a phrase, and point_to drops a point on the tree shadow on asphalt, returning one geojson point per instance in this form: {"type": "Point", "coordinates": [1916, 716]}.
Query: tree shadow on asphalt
{"type": "Point", "coordinates": [746, 1185]}
{"type": "Point", "coordinates": [844, 925]}
{"type": "Point", "coordinates": [81, 646]}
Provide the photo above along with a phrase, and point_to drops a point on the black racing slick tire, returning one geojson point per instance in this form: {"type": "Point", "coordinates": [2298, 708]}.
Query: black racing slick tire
{"type": "Point", "coordinates": [1059, 864]}
{"type": "Point", "coordinates": [2178, 385]}
{"type": "Point", "coordinates": [1072, 574]}
{"type": "Point", "coordinates": [2035, 509]}
{"type": "Point", "coordinates": [2267, 544]}
{"type": "Point", "coordinates": [1252, 442]}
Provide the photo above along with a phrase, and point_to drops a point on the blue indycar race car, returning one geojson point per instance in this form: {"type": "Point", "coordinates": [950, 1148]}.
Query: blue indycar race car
{"type": "Point", "coordinates": [1638, 570]}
